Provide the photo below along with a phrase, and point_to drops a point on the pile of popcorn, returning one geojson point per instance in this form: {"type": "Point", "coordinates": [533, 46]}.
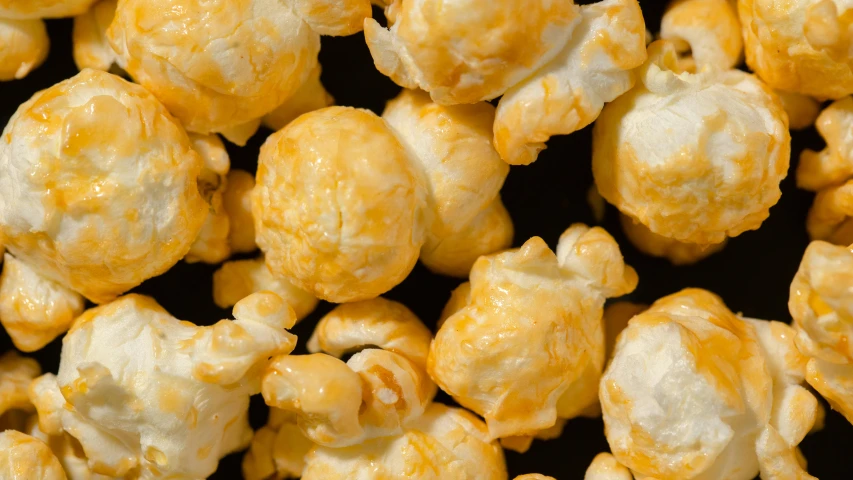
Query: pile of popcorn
{"type": "Point", "coordinates": [115, 175]}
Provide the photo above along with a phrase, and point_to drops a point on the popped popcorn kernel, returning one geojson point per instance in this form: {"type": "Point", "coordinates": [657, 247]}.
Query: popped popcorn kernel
{"type": "Point", "coordinates": [277, 450]}
{"type": "Point", "coordinates": [211, 245]}
{"type": "Point", "coordinates": [23, 47]}
{"type": "Point", "coordinates": [89, 37]}
{"type": "Point", "coordinates": [678, 253]}
{"type": "Point", "coordinates": [310, 96]}
{"type": "Point", "coordinates": [709, 29]}
{"type": "Point", "coordinates": [16, 373]}
{"type": "Point", "coordinates": [605, 467]}
{"type": "Point", "coordinates": [30, 9]}
{"type": "Point", "coordinates": [802, 110]}
{"type": "Point", "coordinates": [22, 456]}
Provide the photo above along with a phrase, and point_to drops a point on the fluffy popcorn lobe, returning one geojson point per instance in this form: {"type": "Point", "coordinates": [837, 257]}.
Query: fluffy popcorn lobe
{"type": "Point", "coordinates": [150, 396]}
{"type": "Point", "coordinates": [695, 392]}
{"type": "Point", "coordinates": [23, 47]}
{"type": "Point", "coordinates": [693, 157]}
{"type": "Point", "coordinates": [527, 345]}
{"type": "Point", "coordinates": [30, 9]}
{"type": "Point", "coordinates": [22, 457]}
{"type": "Point", "coordinates": [101, 187]}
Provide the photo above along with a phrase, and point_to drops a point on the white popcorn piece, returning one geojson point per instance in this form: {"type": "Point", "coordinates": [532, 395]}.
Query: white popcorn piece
{"type": "Point", "coordinates": [506, 353]}
{"type": "Point", "coordinates": [24, 457]}
{"type": "Point", "coordinates": [694, 157]}
{"type": "Point", "coordinates": [149, 395]}
{"type": "Point", "coordinates": [694, 391]}
{"type": "Point", "coordinates": [16, 373]}
{"type": "Point", "coordinates": [709, 29]}
{"type": "Point", "coordinates": [23, 46]}
{"type": "Point", "coordinates": [376, 393]}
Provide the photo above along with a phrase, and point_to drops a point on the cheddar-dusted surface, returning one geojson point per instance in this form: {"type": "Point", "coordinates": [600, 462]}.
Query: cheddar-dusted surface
{"type": "Point", "coordinates": [29, 9]}
{"type": "Point", "coordinates": [147, 394]}
{"type": "Point", "coordinates": [91, 47]}
{"type": "Point", "coordinates": [23, 457]}
{"type": "Point", "coordinates": [708, 32]}
{"type": "Point", "coordinates": [101, 186]}
{"type": "Point", "coordinates": [527, 347]}
{"type": "Point", "coordinates": [212, 243]}
{"type": "Point", "coordinates": [695, 392]}
{"type": "Point", "coordinates": [23, 47]}
{"type": "Point", "coordinates": [693, 157]}
{"type": "Point", "coordinates": [605, 467]}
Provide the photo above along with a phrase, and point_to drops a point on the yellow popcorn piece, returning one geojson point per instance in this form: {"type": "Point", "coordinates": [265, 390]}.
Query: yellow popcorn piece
{"type": "Point", "coordinates": [149, 395]}
{"type": "Point", "coordinates": [694, 157]}
{"type": "Point", "coordinates": [799, 46]}
{"type": "Point", "coordinates": [16, 373]}
{"type": "Point", "coordinates": [230, 62]}
{"type": "Point", "coordinates": [103, 193]}
{"type": "Point", "coordinates": [278, 449]}
{"type": "Point", "coordinates": [678, 253]}
{"type": "Point", "coordinates": [309, 97]}
{"type": "Point", "coordinates": [504, 353]}
{"type": "Point", "coordinates": [237, 201]}
{"type": "Point", "coordinates": [708, 29]}
{"type": "Point", "coordinates": [567, 94]}
{"type": "Point", "coordinates": [211, 245]}
{"type": "Point", "coordinates": [31, 9]}
{"type": "Point", "coordinates": [534, 476]}
{"type": "Point", "coordinates": [443, 443]}
{"type": "Point", "coordinates": [820, 306]}
{"type": "Point", "coordinates": [694, 391]}
{"type": "Point", "coordinates": [238, 279]}
{"type": "Point", "coordinates": [376, 393]}
{"type": "Point", "coordinates": [802, 110]}
{"type": "Point", "coordinates": [89, 37]}
{"type": "Point", "coordinates": [23, 457]}
{"type": "Point", "coordinates": [69, 453]}
{"type": "Point", "coordinates": [605, 467]}
{"type": "Point", "coordinates": [467, 51]}
{"type": "Point", "coordinates": [522, 443]}
{"type": "Point", "coordinates": [23, 47]}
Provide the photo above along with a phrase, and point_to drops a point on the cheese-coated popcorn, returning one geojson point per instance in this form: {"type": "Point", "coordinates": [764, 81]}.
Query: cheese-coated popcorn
{"type": "Point", "coordinates": [91, 47]}
{"type": "Point", "coordinates": [338, 205]}
{"type": "Point", "coordinates": [29, 9]}
{"type": "Point", "coordinates": [528, 348]}
{"type": "Point", "coordinates": [678, 253]}
{"type": "Point", "coordinates": [709, 29]}
{"type": "Point", "coordinates": [802, 110]}
{"type": "Point", "coordinates": [23, 46]}
{"type": "Point", "coordinates": [820, 304]}
{"type": "Point", "coordinates": [443, 443]}
{"type": "Point", "coordinates": [237, 201]}
{"type": "Point", "coordinates": [102, 186]}
{"type": "Point", "coordinates": [67, 450]}
{"type": "Point", "coordinates": [238, 279]}
{"type": "Point", "coordinates": [799, 46]}
{"type": "Point", "coordinates": [695, 392]}
{"type": "Point", "coordinates": [616, 317]}
{"type": "Point", "coordinates": [452, 146]}
{"type": "Point", "coordinates": [522, 443]}
{"type": "Point", "coordinates": [375, 393]}
{"type": "Point", "coordinates": [466, 51]}
{"type": "Point", "coordinates": [605, 467]}
{"type": "Point", "coordinates": [33, 309]}
{"type": "Point", "coordinates": [533, 476]}
{"type": "Point", "coordinates": [16, 373]}
{"type": "Point", "coordinates": [278, 449]}
{"type": "Point", "coordinates": [567, 94]}
{"type": "Point", "coordinates": [693, 157]}
{"type": "Point", "coordinates": [309, 97]}
{"type": "Point", "coordinates": [211, 245]}
{"type": "Point", "coordinates": [144, 392]}
{"type": "Point", "coordinates": [23, 457]}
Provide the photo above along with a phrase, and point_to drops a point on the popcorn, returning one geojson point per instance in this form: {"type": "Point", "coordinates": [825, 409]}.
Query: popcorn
{"type": "Point", "coordinates": [802, 110]}
{"type": "Point", "coordinates": [24, 457]}
{"type": "Point", "coordinates": [433, 192]}
{"type": "Point", "coordinates": [91, 47]}
{"type": "Point", "coordinates": [221, 66]}
{"type": "Point", "coordinates": [534, 476]}
{"type": "Point", "coordinates": [144, 392]}
{"type": "Point", "coordinates": [92, 165]}
{"type": "Point", "coordinates": [237, 201]}
{"type": "Point", "coordinates": [528, 346]}
{"type": "Point", "coordinates": [694, 391]}
{"type": "Point", "coordinates": [830, 174]}
{"type": "Point", "coordinates": [211, 244]}
{"type": "Point", "coordinates": [68, 451]}
{"type": "Point", "coordinates": [30, 9]}
{"type": "Point", "coordinates": [278, 449]}
{"type": "Point", "coordinates": [443, 443]}
{"type": "Point", "coordinates": [616, 317]}
{"type": "Point", "coordinates": [605, 467]}
{"type": "Point", "coordinates": [376, 393]}
{"type": "Point", "coordinates": [16, 373]}
{"type": "Point", "coordinates": [678, 253]}
{"type": "Point", "coordinates": [23, 46]}
{"type": "Point", "coordinates": [720, 148]}
{"type": "Point", "coordinates": [708, 29]}
{"type": "Point", "coordinates": [820, 305]}
{"type": "Point", "coordinates": [309, 97]}
{"type": "Point", "coordinates": [799, 46]}
{"type": "Point", "coordinates": [238, 279]}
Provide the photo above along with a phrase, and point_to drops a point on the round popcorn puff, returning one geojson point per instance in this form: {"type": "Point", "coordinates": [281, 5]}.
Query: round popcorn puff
{"type": "Point", "coordinates": [309, 97]}
{"type": "Point", "coordinates": [23, 47]}
{"type": "Point", "coordinates": [442, 443]}
{"type": "Point", "coordinates": [695, 392]}
{"type": "Point", "coordinates": [605, 467]}
{"type": "Point", "coordinates": [528, 347]}
{"type": "Point", "coordinates": [277, 450]}
{"type": "Point", "coordinates": [238, 279]}
{"type": "Point", "coordinates": [230, 62]}
{"type": "Point", "coordinates": [211, 245]}
{"type": "Point", "coordinates": [693, 157]}
{"type": "Point", "coordinates": [799, 46]}
{"type": "Point", "coordinates": [338, 205]}
{"type": "Point", "coordinates": [22, 456]}
{"type": "Point", "coordinates": [678, 253]}
{"type": "Point", "coordinates": [67, 450]}
{"type": "Point", "coordinates": [820, 304]}
{"type": "Point", "coordinates": [147, 394]}
{"type": "Point", "coordinates": [91, 48]}
{"type": "Point", "coordinates": [103, 187]}
{"type": "Point", "coordinates": [376, 393]}
{"type": "Point", "coordinates": [16, 373]}
{"type": "Point", "coordinates": [707, 30]}
{"type": "Point", "coordinates": [31, 9]}
{"type": "Point", "coordinates": [593, 67]}
{"type": "Point", "coordinates": [802, 110]}
{"type": "Point", "coordinates": [452, 146]}
{"type": "Point", "coordinates": [467, 51]}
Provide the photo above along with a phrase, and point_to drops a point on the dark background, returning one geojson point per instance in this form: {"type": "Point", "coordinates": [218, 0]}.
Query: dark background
{"type": "Point", "coordinates": [752, 273]}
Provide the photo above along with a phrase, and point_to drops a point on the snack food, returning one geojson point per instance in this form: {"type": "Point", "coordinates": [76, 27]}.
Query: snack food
{"type": "Point", "coordinates": [23, 47]}
{"type": "Point", "coordinates": [21, 454]}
